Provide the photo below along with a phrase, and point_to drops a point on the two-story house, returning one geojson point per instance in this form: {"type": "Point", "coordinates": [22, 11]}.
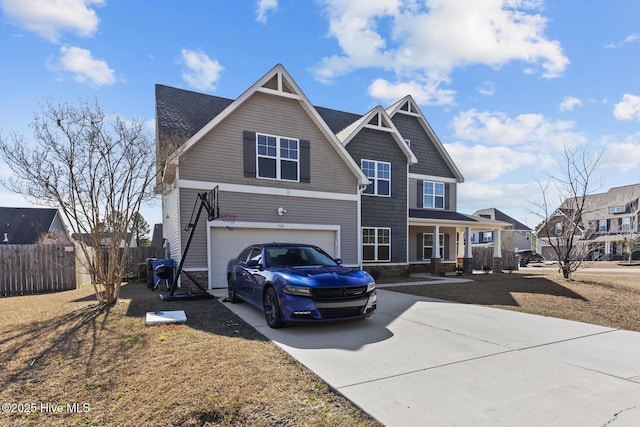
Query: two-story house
{"type": "Point", "coordinates": [515, 237]}
{"type": "Point", "coordinates": [371, 189]}
{"type": "Point", "coordinates": [606, 229]}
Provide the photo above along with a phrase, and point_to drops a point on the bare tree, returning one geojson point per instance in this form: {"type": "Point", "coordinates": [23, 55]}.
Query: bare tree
{"type": "Point", "coordinates": [97, 169]}
{"type": "Point", "coordinates": [562, 208]}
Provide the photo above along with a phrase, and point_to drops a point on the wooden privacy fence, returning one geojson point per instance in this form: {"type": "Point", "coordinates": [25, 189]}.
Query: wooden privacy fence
{"type": "Point", "coordinates": [31, 269]}
{"type": "Point", "coordinates": [134, 268]}
{"type": "Point", "coordinates": [483, 258]}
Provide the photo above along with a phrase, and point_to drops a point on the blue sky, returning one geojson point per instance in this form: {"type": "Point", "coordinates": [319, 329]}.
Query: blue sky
{"type": "Point", "coordinates": [504, 83]}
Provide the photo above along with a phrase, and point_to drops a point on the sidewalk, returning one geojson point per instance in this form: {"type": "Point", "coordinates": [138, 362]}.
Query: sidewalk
{"type": "Point", "coordinates": [419, 361]}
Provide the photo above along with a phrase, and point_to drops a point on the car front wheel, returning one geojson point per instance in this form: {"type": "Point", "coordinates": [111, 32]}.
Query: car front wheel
{"type": "Point", "coordinates": [272, 309]}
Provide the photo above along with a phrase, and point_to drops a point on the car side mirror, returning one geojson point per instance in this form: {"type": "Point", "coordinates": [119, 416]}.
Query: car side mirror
{"type": "Point", "coordinates": [338, 261]}
{"type": "Point", "coordinates": [254, 263]}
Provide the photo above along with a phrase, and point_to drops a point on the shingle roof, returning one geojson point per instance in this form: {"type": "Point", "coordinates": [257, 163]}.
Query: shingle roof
{"type": "Point", "coordinates": [25, 226]}
{"type": "Point", "coordinates": [337, 120]}
{"type": "Point", "coordinates": [498, 215]}
{"type": "Point", "coordinates": [181, 113]}
{"type": "Point", "coordinates": [440, 214]}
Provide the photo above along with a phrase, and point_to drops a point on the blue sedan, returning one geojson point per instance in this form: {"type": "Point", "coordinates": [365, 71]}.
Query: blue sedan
{"type": "Point", "coordinates": [295, 282]}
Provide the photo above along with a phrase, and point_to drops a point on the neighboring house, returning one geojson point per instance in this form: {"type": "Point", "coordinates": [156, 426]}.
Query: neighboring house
{"type": "Point", "coordinates": [516, 237]}
{"type": "Point", "coordinates": [105, 239]}
{"type": "Point", "coordinates": [607, 229]}
{"type": "Point", "coordinates": [371, 189]}
{"type": "Point", "coordinates": [28, 226]}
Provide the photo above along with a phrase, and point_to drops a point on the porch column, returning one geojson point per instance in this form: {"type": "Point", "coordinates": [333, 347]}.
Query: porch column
{"type": "Point", "coordinates": [436, 262]}
{"type": "Point", "coordinates": [497, 252]}
{"type": "Point", "coordinates": [467, 261]}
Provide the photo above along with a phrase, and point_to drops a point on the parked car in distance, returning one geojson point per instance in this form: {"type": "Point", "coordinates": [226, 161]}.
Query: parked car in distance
{"type": "Point", "coordinates": [294, 282]}
{"type": "Point", "coordinates": [525, 257]}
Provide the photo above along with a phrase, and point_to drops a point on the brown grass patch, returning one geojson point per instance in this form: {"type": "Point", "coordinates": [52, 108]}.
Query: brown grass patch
{"type": "Point", "coordinates": [60, 349]}
{"type": "Point", "coordinates": [606, 299]}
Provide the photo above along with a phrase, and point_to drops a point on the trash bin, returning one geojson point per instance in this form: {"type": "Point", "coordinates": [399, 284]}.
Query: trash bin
{"type": "Point", "coordinates": [150, 282]}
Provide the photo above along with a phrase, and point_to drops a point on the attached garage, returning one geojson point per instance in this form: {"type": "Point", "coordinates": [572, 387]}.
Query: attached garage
{"type": "Point", "coordinates": [225, 244]}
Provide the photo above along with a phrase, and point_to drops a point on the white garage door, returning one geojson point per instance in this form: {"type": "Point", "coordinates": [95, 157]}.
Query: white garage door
{"type": "Point", "coordinates": [225, 244]}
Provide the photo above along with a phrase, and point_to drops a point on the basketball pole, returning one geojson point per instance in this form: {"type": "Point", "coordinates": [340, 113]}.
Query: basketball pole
{"type": "Point", "coordinates": [203, 201]}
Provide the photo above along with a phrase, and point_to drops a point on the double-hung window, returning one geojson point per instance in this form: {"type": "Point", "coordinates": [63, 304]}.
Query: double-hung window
{"type": "Point", "coordinates": [278, 157]}
{"type": "Point", "coordinates": [379, 173]}
{"type": "Point", "coordinates": [376, 244]}
{"type": "Point", "coordinates": [603, 225]}
{"type": "Point", "coordinates": [427, 245]}
{"type": "Point", "coordinates": [433, 195]}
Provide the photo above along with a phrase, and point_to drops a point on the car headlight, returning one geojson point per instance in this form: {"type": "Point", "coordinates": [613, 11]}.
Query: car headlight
{"type": "Point", "coordinates": [297, 290]}
{"type": "Point", "coordinates": [371, 286]}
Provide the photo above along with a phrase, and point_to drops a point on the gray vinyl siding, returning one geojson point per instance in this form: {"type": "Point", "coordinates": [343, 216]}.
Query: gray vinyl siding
{"type": "Point", "coordinates": [262, 208]}
{"type": "Point", "coordinates": [171, 222]}
{"type": "Point", "coordinates": [415, 243]}
{"type": "Point", "coordinates": [300, 210]}
{"type": "Point", "coordinates": [380, 211]}
{"type": "Point", "coordinates": [218, 156]}
{"type": "Point", "coordinates": [430, 162]}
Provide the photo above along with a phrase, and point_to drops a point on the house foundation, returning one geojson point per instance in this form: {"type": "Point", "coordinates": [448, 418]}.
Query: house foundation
{"type": "Point", "coordinates": [466, 264]}
{"type": "Point", "coordinates": [497, 265]}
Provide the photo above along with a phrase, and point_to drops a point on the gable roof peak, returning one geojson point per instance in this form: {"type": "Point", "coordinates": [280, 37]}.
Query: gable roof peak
{"type": "Point", "coordinates": [377, 119]}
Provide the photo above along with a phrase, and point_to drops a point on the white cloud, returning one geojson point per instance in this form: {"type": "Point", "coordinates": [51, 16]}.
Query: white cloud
{"type": "Point", "coordinates": [50, 18]}
{"type": "Point", "coordinates": [628, 108]}
{"type": "Point", "coordinates": [488, 88]}
{"type": "Point", "coordinates": [265, 6]}
{"type": "Point", "coordinates": [569, 103]}
{"type": "Point", "coordinates": [85, 68]}
{"type": "Point", "coordinates": [516, 200]}
{"type": "Point", "coordinates": [533, 131]}
{"type": "Point", "coordinates": [202, 72]}
{"type": "Point", "coordinates": [482, 163]}
{"type": "Point", "coordinates": [631, 38]}
{"type": "Point", "coordinates": [428, 92]}
{"type": "Point", "coordinates": [425, 42]}
{"type": "Point", "coordinates": [621, 156]}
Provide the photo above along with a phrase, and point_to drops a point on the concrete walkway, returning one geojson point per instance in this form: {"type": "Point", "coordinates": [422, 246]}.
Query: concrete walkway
{"type": "Point", "coordinates": [425, 362]}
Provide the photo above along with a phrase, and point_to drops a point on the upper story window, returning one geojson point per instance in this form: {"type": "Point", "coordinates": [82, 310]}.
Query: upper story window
{"type": "Point", "coordinates": [433, 195]}
{"type": "Point", "coordinates": [616, 209]}
{"type": "Point", "coordinates": [379, 173]}
{"type": "Point", "coordinates": [603, 226]}
{"type": "Point", "coordinates": [277, 157]}
{"type": "Point", "coordinates": [625, 224]}
{"type": "Point", "coordinates": [557, 228]}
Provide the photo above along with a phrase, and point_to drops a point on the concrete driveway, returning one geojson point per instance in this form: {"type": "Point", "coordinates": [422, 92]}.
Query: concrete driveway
{"type": "Point", "coordinates": [420, 361]}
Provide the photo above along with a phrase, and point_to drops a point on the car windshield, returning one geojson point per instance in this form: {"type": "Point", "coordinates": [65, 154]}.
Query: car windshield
{"type": "Point", "coordinates": [297, 256]}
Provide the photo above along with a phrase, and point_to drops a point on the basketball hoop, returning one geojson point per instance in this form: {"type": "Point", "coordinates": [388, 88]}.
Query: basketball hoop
{"type": "Point", "coordinates": [228, 220]}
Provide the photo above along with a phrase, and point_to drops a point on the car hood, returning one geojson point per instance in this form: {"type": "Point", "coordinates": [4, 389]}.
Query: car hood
{"type": "Point", "coordinates": [323, 276]}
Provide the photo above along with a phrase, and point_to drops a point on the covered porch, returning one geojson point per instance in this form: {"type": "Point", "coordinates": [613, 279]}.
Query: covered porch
{"type": "Point", "coordinates": [451, 250]}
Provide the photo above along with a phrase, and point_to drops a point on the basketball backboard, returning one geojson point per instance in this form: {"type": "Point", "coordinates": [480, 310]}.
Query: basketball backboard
{"type": "Point", "coordinates": [210, 200]}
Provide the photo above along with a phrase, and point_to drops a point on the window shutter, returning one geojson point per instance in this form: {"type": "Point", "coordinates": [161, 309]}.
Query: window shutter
{"type": "Point", "coordinates": [447, 195]}
{"type": "Point", "coordinates": [305, 161]}
{"type": "Point", "coordinates": [249, 151]}
{"type": "Point", "coordinates": [420, 199]}
{"type": "Point", "coordinates": [446, 247]}
{"type": "Point", "coordinates": [420, 252]}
